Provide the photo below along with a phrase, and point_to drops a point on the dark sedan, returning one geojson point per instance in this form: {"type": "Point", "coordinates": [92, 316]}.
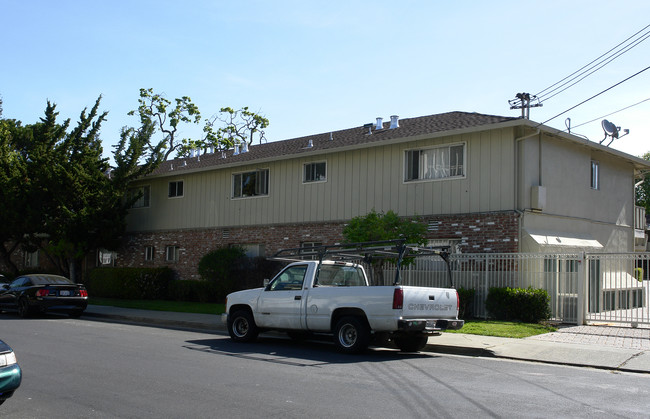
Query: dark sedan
{"type": "Point", "coordinates": [34, 293]}
{"type": "Point", "coordinates": [10, 373]}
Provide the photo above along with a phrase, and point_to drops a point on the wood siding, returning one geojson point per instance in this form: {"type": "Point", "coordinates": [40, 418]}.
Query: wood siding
{"type": "Point", "coordinates": [357, 181]}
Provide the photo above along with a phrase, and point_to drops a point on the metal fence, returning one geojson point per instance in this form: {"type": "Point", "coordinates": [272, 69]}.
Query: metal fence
{"type": "Point", "coordinates": [582, 287]}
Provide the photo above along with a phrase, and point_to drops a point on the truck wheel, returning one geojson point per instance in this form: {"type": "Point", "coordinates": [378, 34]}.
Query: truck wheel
{"type": "Point", "coordinates": [351, 335]}
{"type": "Point", "coordinates": [411, 343]}
{"type": "Point", "coordinates": [242, 327]}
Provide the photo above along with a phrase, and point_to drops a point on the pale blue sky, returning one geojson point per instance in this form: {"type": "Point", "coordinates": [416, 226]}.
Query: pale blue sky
{"type": "Point", "coordinates": [314, 67]}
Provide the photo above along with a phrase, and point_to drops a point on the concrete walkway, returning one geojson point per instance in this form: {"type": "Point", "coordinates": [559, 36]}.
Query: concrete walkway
{"type": "Point", "coordinates": [601, 346]}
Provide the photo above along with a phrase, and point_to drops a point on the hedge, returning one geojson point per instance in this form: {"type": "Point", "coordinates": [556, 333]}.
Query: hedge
{"type": "Point", "coordinates": [130, 283]}
{"type": "Point", "coordinates": [527, 305]}
{"type": "Point", "coordinates": [466, 296]}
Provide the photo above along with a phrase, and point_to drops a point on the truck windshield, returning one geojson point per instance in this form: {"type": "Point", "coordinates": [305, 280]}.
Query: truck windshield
{"type": "Point", "coordinates": [341, 276]}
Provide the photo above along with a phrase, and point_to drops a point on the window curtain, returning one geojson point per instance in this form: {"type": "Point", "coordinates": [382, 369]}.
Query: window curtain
{"type": "Point", "coordinates": [435, 163]}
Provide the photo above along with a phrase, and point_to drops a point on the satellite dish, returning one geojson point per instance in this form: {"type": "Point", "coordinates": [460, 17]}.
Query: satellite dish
{"type": "Point", "coordinates": [610, 129]}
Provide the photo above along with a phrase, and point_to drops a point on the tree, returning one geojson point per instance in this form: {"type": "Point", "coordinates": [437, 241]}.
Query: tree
{"type": "Point", "coordinates": [643, 190]}
{"type": "Point", "coordinates": [70, 199]}
{"type": "Point", "coordinates": [237, 126]}
{"type": "Point", "coordinates": [378, 227]}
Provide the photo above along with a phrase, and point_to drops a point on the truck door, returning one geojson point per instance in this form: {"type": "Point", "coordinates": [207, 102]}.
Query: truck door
{"type": "Point", "coordinates": [280, 305]}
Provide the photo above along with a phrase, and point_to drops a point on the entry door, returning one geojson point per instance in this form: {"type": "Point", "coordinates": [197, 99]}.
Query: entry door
{"type": "Point", "coordinates": [281, 304]}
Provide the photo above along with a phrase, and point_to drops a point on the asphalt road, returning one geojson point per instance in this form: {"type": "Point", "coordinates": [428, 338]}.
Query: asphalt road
{"type": "Point", "coordinates": [90, 369]}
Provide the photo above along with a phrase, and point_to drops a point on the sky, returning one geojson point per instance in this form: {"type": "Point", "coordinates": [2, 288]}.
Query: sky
{"type": "Point", "coordinates": [313, 67]}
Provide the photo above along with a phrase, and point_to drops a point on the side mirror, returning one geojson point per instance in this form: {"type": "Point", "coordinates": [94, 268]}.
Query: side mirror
{"type": "Point", "coordinates": [266, 282]}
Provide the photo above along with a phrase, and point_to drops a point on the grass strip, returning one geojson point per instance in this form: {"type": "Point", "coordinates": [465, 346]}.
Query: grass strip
{"type": "Point", "coordinates": [503, 329]}
{"type": "Point", "coordinates": [160, 305]}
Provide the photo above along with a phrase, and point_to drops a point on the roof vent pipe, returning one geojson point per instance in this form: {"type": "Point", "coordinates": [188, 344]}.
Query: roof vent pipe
{"type": "Point", "coordinates": [236, 152]}
{"type": "Point", "coordinates": [244, 147]}
{"type": "Point", "coordinates": [394, 121]}
{"type": "Point", "coordinates": [379, 124]}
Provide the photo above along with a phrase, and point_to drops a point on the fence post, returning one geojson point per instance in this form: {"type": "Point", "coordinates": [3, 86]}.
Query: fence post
{"type": "Point", "coordinates": [583, 277]}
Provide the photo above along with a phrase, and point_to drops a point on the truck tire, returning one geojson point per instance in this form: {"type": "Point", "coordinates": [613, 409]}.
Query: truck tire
{"type": "Point", "coordinates": [242, 327]}
{"type": "Point", "coordinates": [411, 343]}
{"type": "Point", "coordinates": [351, 335]}
{"type": "Point", "coordinates": [24, 310]}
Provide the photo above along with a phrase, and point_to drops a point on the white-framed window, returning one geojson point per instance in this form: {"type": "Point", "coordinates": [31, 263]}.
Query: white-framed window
{"type": "Point", "coordinates": [175, 189]}
{"type": "Point", "coordinates": [442, 162]}
{"type": "Point", "coordinates": [106, 257]}
{"type": "Point", "coordinates": [143, 194]}
{"type": "Point", "coordinates": [31, 259]}
{"type": "Point", "coordinates": [314, 172]}
{"type": "Point", "coordinates": [171, 253]}
{"type": "Point", "coordinates": [247, 184]}
{"type": "Point", "coordinates": [595, 179]}
{"type": "Point", "coordinates": [149, 253]}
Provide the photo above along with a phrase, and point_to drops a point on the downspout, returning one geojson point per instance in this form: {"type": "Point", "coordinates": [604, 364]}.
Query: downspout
{"type": "Point", "coordinates": [516, 169]}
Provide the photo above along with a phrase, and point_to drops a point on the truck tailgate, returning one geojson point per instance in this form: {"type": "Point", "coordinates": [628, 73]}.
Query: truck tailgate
{"type": "Point", "coordinates": [429, 303]}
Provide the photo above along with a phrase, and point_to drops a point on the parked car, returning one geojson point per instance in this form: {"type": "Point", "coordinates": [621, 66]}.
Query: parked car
{"type": "Point", "coordinates": [43, 292]}
{"type": "Point", "coordinates": [10, 373]}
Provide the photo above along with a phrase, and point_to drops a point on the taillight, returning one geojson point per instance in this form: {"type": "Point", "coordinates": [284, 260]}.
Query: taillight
{"type": "Point", "coordinates": [457, 303]}
{"type": "Point", "coordinates": [42, 293]}
{"type": "Point", "coordinates": [83, 293]}
{"type": "Point", "coordinates": [398, 299]}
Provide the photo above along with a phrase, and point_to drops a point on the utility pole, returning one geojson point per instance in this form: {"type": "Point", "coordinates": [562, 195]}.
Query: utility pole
{"type": "Point", "coordinates": [522, 101]}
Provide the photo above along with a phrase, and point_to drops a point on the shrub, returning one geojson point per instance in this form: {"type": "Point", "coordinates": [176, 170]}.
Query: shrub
{"type": "Point", "coordinates": [130, 283]}
{"type": "Point", "coordinates": [527, 305]}
{"type": "Point", "coordinates": [466, 296]}
{"type": "Point", "coordinates": [220, 264]}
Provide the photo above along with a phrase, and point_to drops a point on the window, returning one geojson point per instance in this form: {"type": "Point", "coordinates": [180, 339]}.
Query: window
{"type": "Point", "coordinates": [435, 163]}
{"type": "Point", "coordinates": [141, 194]}
{"type": "Point", "coordinates": [314, 172]}
{"type": "Point", "coordinates": [175, 189]}
{"type": "Point", "coordinates": [171, 253]}
{"type": "Point", "coordinates": [250, 184]}
{"type": "Point", "coordinates": [595, 184]}
{"type": "Point", "coordinates": [290, 279]}
{"type": "Point", "coordinates": [149, 253]}
{"type": "Point", "coordinates": [31, 259]}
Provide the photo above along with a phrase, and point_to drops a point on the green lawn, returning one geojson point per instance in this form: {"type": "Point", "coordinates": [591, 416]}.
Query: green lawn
{"type": "Point", "coordinates": [503, 329]}
{"type": "Point", "coordinates": [161, 305]}
{"type": "Point", "coordinates": [473, 327]}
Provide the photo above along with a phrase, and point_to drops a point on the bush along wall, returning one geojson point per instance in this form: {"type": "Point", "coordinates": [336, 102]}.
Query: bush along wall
{"type": "Point", "coordinates": [466, 296]}
{"type": "Point", "coordinates": [528, 305]}
{"type": "Point", "coordinates": [130, 283]}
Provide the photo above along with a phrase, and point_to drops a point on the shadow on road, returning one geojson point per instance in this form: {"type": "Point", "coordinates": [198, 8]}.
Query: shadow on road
{"type": "Point", "coordinates": [307, 353]}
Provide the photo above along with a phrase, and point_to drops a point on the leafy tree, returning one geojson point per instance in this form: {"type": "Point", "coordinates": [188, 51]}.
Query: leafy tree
{"type": "Point", "coordinates": [378, 227]}
{"type": "Point", "coordinates": [643, 190]}
{"type": "Point", "coordinates": [71, 201]}
{"type": "Point", "coordinates": [237, 126]}
{"type": "Point", "coordinates": [156, 111]}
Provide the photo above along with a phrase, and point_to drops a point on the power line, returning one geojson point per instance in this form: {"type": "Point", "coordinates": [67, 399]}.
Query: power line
{"type": "Point", "coordinates": [597, 59]}
{"type": "Point", "coordinates": [596, 95]}
{"type": "Point", "coordinates": [544, 98]}
{"type": "Point", "coordinates": [611, 113]}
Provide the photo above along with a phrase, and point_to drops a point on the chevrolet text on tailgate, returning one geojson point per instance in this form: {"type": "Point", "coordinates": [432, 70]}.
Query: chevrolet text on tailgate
{"type": "Point", "coordinates": [325, 290]}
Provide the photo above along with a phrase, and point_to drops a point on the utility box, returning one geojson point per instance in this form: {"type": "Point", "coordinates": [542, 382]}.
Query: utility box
{"type": "Point", "coordinates": [538, 198]}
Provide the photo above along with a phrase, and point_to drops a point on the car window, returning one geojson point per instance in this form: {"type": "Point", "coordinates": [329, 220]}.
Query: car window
{"type": "Point", "coordinates": [290, 279]}
{"type": "Point", "coordinates": [19, 282]}
{"type": "Point", "coordinates": [340, 276]}
{"type": "Point", "coordinates": [51, 279]}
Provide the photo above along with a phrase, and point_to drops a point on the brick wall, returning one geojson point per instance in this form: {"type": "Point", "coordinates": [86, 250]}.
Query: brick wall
{"type": "Point", "coordinates": [475, 233]}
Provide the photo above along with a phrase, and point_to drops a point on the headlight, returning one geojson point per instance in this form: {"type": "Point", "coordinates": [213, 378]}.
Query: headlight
{"type": "Point", "coordinates": [7, 359]}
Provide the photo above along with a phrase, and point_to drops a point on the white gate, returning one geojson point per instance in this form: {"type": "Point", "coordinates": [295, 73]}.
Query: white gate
{"type": "Point", "coordinates": [610, 288]}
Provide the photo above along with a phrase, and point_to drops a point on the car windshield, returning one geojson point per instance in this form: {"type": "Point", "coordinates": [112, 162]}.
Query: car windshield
{"type": "Point", "coordinates": [50, 279]}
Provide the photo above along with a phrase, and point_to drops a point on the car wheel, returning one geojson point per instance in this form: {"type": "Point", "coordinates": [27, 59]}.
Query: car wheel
{"type": "Point", "coordinates": [411, 343]}
{"type": "Point", "coordinates": [351, 335]}
{"type": "Point", "coordinates": [24, 310]}
{"type": "Point", "coordinates": [242, 327]}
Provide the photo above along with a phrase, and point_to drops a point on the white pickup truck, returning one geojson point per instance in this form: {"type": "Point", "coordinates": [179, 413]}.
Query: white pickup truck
{"type": "Point", "coordinates": [335, 297]}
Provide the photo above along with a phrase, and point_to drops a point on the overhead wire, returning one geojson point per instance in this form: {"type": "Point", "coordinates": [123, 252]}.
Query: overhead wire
{"type": "Point", "coordinates": [589, 65]}
{"type": "Point", "coordinates": [611, 113]}
{"type": "Point", "coordinates": [596, 95]}
{"type": "Point", "coordinates": [589, 68]}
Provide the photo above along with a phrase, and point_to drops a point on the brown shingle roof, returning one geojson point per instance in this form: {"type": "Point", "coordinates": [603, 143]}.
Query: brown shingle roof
{"type": "Point", "coordinates": [408, 127]}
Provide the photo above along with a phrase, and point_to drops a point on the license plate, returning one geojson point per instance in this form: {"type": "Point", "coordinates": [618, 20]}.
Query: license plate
{"type": "Point", "coordinates": [64, 293]}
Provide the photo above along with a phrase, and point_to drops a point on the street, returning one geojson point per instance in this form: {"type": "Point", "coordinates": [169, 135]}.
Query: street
{"type": "Point", "coordinates": [80, 368]}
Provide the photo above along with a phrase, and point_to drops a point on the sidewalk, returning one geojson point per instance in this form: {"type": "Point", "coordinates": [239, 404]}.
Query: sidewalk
{"type": "Point", "coordinates": [607, 347]}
